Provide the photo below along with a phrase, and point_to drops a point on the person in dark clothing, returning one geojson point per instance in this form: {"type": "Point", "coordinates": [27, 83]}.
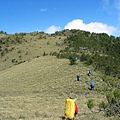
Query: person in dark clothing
{"type": "Point", "coordinates": [78, 78]}
{"type": "Point", "coordinates": [89, 72]}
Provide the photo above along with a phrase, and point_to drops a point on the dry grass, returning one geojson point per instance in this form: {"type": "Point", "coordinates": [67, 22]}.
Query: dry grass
{"type": "Point", "coordinates": [37, 89]}
{"type": "Point", "coordinates": [31, 48]}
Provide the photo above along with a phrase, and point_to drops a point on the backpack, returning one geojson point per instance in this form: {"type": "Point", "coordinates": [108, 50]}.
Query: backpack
{"type": "Point", "coordinates": [69, 109]}
{"type": "Point", "coordinates": [92, 83]}
{"type": "Point", "coordinates": [89, 72]}
{"type": "Point", "coordinates": [76, 109]}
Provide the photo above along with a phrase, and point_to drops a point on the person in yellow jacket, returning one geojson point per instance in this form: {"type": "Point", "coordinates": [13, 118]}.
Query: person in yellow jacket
{"type": "Point", "coordinates": [69, 110]}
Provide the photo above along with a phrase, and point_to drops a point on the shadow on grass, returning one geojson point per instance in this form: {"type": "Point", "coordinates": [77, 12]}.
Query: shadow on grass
{"type": "Point", "coordinates": [62, 117]}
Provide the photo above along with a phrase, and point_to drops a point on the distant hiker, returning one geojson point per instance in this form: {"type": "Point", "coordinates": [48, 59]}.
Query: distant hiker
{"type": "Point", "coordinates": [76, 58]}
{"type": "Point", "coordinates": [89, 72]}
{"type": "Point", "coordinates": [78, 78]}
{"type": "Point", "coordinates": [69, 110]}
{"type": "Point", "coordinates": [92, 85]}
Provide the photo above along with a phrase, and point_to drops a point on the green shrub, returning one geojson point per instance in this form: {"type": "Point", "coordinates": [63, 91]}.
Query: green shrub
{"type": "Point", "coordinates": [114, 102]}
{"type": "Point", "coordinates": [111, 81]}
{"type": "Point", "coordinates": [117, 94]}
{"type": "Point", "coordinates": [102, 105]}
{"type": "Point", "coordinates": [110, 113]}
{"type": "Point", "coordinates": [90, 104]}
{"type": "Point", "coordinates": [72, 59]}
{"type": "Point", "coordinates": [44, 54]}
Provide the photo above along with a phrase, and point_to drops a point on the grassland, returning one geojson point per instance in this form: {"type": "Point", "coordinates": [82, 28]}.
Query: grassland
{"type": "Point", "coordinates": [37, 88]}
{"type": "Point", "coordinates": [32, 46]}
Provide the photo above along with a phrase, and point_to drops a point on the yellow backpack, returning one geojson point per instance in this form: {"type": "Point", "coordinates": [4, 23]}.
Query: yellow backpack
{"type": "Point", "coordinates": [69, 109]}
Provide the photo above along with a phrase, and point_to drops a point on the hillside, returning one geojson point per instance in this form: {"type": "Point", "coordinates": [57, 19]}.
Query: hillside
{"type": "Point", "coordinates": [34, 84]}
{"type": "Point", "coordinates": [18, 48]}
{"type": "Point", "coordinates": [38, 89]}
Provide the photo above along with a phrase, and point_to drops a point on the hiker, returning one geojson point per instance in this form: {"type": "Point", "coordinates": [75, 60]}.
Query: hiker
{"type": "Point", "coordinates": [89, 72]}
{"type": "Point", "coordinates": [69, 109]}
{"type": "Point", "coordinates": [78, 78]}
{"type": "Point", "coordinates": [92, 85]}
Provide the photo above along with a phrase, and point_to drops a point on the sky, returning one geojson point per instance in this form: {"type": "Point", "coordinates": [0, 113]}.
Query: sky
{"type": "Point", "coordinates": [49, 16]}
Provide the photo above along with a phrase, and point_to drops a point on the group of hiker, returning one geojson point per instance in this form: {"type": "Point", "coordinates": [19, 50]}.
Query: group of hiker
{"type": "Point", "coordinates": [89, 72]}
{"type": "Point", "coordinates": [71, 108]}
{"type": "Point", "coordinates": [91, 83]}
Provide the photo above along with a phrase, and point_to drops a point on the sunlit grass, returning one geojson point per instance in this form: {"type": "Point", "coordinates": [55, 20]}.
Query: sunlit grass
{"type": "Point", "coordinates": [38, 89]}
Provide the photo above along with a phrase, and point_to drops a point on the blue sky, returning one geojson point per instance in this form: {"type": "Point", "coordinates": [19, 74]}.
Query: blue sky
{"type": "Point", "coordinates": [55, 15]}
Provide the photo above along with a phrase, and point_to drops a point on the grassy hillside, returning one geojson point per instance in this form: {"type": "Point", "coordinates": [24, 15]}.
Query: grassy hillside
{"type": "Point", "coordinates": [37, 88]}
{"type": "Point", "coordinates": [18, 48]}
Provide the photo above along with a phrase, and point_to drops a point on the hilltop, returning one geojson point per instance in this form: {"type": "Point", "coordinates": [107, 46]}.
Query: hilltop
{"type": "Point", "coordinates": [34, 83]}
{"type": "Point", "coordinates": [18, 48]}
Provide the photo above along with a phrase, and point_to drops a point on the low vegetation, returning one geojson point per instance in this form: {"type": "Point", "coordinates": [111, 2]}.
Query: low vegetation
{"type": "Point", "coordinates": [39, 72]}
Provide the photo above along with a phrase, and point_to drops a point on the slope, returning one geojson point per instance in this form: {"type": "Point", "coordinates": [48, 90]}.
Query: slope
{"type": "Point", "coordinates": [18, 48]}
{"type": "Point", "coordinates": [37, 90]}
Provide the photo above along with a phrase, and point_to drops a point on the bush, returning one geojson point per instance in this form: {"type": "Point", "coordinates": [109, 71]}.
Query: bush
{"type": "Point", "coordinates": [102, 105]}
{"type": "Point", "coordinates": [44, 54]}
{"type": "Point", "coordinates": [110, 113]}
{"type": "Point", "coordinates": [114, 103]}
{"type": "Point", "coordinates": [83, 57]}
{"type": "Point", "coordinates": [89, 61]}
{"type": "Point", "coordinates": [72, 58]}
{"type": "Point", "coordinates": [111, 81]}
{"type": "Point", "coordinates": [90, 104]}
{"type": "Point", "coordinates": [117, 94]}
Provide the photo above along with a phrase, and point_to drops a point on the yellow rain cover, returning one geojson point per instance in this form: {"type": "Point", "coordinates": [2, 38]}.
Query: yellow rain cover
{"type": "Point", "coordinates": [69, 110]}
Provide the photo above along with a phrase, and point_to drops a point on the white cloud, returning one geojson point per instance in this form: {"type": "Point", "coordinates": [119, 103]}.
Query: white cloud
{"type": "Point", "coordinates": [96, 27]}
{"type": "Point", "coordinates": [52, 29]}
